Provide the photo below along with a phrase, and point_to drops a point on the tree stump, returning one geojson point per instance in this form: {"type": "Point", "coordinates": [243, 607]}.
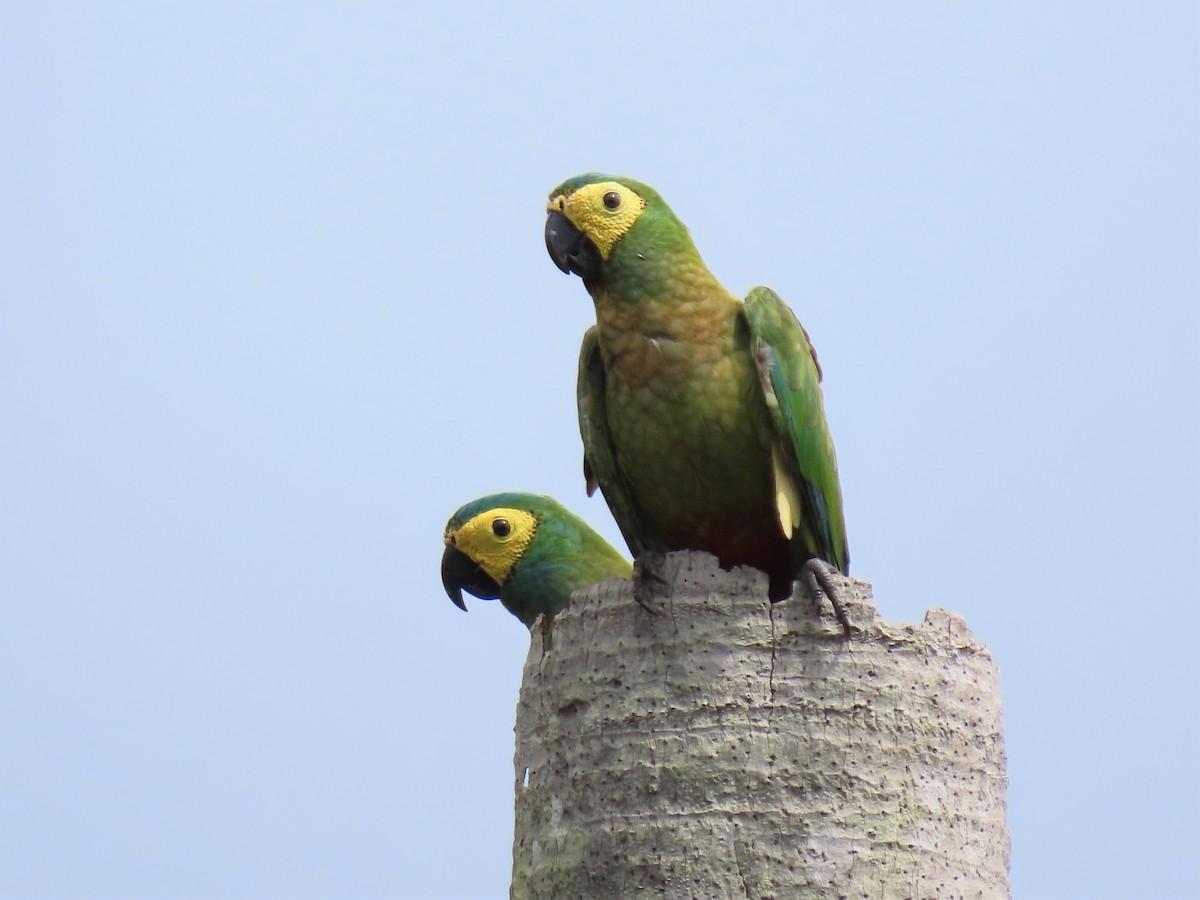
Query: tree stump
{"type": "Point", "coordinates": [731, 747]}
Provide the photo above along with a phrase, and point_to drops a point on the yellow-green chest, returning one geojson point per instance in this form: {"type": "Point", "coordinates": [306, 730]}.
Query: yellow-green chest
{"type": "Point", "coordinates": [687, 421]}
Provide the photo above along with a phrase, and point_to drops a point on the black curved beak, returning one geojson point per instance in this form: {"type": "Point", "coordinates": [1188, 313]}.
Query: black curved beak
{"type": "Point", "coordinates": [460, 572]}
{"type": "Point", "coordinates": [570, 249]}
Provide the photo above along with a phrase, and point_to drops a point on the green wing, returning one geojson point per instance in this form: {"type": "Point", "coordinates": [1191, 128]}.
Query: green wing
{"type": "Point", "coordinates": [599, 462]}
{"type": "Point", "coordinates": [805, 462]}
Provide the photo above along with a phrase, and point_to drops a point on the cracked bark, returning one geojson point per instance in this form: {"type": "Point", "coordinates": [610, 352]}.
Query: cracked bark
{"type": "Point", "coordinates": [731, 748]}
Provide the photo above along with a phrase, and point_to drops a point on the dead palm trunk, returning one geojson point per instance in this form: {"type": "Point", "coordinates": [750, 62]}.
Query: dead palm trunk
{"type": "Point", "coordinates": [735, 748]}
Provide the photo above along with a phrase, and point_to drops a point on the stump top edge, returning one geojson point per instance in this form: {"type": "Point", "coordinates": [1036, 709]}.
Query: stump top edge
{"type": "Point", "coordinates": [700, 587]}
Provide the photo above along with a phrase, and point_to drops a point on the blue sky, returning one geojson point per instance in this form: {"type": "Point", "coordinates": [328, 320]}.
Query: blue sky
{"type": "Point", "coordinates": [274, 301]}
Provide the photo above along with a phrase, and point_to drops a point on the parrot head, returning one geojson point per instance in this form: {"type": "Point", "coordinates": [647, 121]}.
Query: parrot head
{"type": "Point", "coordinates": [591, 218]}
{"type": "Point", "coordinates": [527, 551]}
{"type": "Point", "coordinates": [484, 540]}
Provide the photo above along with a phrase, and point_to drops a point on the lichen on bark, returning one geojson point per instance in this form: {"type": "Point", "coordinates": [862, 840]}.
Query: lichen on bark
{"type": "Point", "coordinates": [731, 747]}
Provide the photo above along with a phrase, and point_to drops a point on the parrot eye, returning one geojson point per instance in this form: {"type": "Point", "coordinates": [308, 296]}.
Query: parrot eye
{"type": "Point", "coordinates": [612, 200]}
{"type": "Point", "coordinates": [501, 528]}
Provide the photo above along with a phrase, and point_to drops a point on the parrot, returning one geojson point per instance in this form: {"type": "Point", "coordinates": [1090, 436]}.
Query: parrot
{"type": "Point", "coordinates": [702, 416]}
{"type": "Point", "coordinates": [529, 551]}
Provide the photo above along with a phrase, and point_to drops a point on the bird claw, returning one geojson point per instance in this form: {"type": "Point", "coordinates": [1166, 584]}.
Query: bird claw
{"type": "Point", "coordinates": [647, 572]}
{"type": "Point", "coordinates": [821, 582]}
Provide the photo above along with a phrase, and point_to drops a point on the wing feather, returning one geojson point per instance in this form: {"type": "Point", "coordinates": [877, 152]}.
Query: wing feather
{"type": "Point", "coordinates": [600, 467]}
{"type": "Point", "coordinates": [808, 492]}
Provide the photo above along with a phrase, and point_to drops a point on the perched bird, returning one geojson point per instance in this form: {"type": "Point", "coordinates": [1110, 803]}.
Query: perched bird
{"type": "Point", "coordinates": [527, 550]}
{"type": "Point", "coordinates": [701, 414]}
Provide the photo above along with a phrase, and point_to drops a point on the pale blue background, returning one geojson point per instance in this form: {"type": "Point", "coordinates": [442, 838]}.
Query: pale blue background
{"type": "Point", "coordinates": [274, 301]}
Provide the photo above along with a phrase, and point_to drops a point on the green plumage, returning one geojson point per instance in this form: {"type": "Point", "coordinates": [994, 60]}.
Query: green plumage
{"type": "Point", "coordinates": [697, 410]}
{"type": "Point", "coordinates": [561, 555]}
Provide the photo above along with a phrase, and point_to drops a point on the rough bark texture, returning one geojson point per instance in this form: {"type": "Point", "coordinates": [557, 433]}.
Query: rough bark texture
{"type": "Point", "coordinates": [735, 748]}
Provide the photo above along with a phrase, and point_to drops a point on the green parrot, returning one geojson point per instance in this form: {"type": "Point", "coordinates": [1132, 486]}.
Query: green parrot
{"type": "Point", "coordinates": [702, 417]}
{"type": "Point", "coordinates": [527, 550]}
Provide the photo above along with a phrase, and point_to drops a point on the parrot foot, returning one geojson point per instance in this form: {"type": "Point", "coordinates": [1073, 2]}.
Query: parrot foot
{"type": "Point", "coordinates": [821, 582]}
{"type": "Point", "coordinates": [647, 574]}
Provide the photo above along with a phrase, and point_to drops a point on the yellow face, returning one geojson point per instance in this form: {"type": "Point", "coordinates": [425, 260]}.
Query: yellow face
{"type": "Point", "coordinates": [604, 212]}
{"type": "Point", "coordinates": [495, 539]}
